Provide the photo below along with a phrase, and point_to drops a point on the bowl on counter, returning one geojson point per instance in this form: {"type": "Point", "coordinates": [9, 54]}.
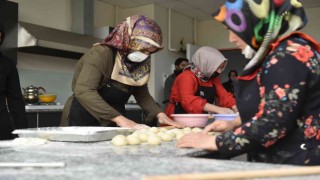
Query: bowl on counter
{"type": "Point", "coordinates": [47, 98]}
{"type": "Point", "coordinates": [225, 117]}
{"type": "Point", "coordinates": [192, 120]}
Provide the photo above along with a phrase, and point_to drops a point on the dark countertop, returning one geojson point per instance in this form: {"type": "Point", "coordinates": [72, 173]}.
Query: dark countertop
{"type": "Point", "coordinates": [101, 160]}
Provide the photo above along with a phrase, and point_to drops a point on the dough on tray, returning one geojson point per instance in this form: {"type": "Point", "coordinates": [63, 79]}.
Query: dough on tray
{"type": "Point", "coordinates": [28, 141]}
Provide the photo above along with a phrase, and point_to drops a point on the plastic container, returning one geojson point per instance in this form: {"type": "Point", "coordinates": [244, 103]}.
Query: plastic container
{"type": "Point", "coordinates": [226, 117]}
{"type": "Point", "coordinates": [192, 120]}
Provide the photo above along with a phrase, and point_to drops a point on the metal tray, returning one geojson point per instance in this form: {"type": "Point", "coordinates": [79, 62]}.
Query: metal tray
{"type": "Point", "coordinates": [73, 133]}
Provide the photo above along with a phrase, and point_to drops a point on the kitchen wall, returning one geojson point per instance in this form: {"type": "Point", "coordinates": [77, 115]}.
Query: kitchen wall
{"type": "Point", "coordinates": [52, 73]}
{"type": "Point", "coordinates": [57, 14]}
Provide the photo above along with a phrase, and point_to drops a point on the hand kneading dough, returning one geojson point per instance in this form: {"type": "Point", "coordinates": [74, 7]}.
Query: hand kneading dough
{"type": "Point", "coordinates": [154, 140]}
{"type": "Point", "coordinates": [133, 140]}
{"type": "Point", "coordinates": [119, 140]}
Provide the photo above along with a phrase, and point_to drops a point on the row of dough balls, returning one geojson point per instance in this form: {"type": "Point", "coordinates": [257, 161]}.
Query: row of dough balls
{"type": "Point", "coordinates": [152, 136]}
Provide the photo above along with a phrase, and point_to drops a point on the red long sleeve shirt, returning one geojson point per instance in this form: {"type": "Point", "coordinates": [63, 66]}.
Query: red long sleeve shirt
{"type": "Point", "coordinates": [184, 89]}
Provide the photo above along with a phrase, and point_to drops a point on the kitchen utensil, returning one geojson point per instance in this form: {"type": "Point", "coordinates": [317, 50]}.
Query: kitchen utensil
{"type": "Point", "coordinates": [33, 165]}
{"type": "Point", "coordinates": [266, 173]}
{"type": "Point", "coordinates": [47, 98]}
{"type": "Point", "coordinates": [192, 120]}
{"type": "Point", "coordinates": [73, 133]}
{"type": "Point", "coordinates": [226, 117]}
{"type": "Point", "coordinates": [31, 94]}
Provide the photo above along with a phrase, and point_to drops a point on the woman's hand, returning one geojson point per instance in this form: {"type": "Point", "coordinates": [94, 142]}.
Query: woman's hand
{"type": "Point", "coordinates": [222, 110]}
{"type": "Point", "coordinates": [198, 140]}
{"type": "Point", "coordinates": [164, 119]}
{"type": "Point", "coordinates": [216, 109]}
{"type": "Point", "coordinates": [219, 126]}
{"type": "Point", "coordinates": [140, 126]}
{"type": "Point", "coordinates": [235, 109]}
{"type": "Point", "coordinates": [222, 126]}
{"type": "Point", "coordinates": [124, 122]}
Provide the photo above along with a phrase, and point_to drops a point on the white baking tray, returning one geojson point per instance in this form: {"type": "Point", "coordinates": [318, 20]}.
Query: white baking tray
{"type": "Point", "coordinates": [73, 133]}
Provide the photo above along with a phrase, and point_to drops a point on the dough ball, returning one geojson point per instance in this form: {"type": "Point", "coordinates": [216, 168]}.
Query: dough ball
{"type": "Point", "coordinates": [143, 137]}
{"type": "Point", "coordinates": [144, 131]}
{"type": "Point", "coordinates": [196, 129]}
{"type": "Point", "coordinates": [150, 133]}
{"type": "Point", "coordinates": [176, 131]}
{"type": "Point", "coordinates": [136, 133]}
{"type": "Point", "coordinates": [154, 129]}
{"type": "Point", "coordinates": [133, 140]}
{"type": "Point", "coordinates": [166, 137]}
{"type": "Point", "coordinates": [172, 134]}
{"type": "Point", "coordinates": [163, 130]}
{"type": "Point", "coordinates": [160, 134]}
{"type": "Point", "coordinates": [154, 140]}
{"type": "Point", "coordinates": [179, 136]}
{"type": "Point", "coordinates": [187, 130]}
{"type": "Point", "coordinates": [211, 133]}
{"type": "Point", "coordinates": [119, 140]}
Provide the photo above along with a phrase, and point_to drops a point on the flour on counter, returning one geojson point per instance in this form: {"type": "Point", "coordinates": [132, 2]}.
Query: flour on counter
{"type": "Point", "coordinates": [28, 141]}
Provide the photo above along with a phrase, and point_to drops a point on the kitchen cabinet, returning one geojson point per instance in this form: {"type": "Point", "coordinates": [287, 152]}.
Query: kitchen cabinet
{"type": "Point", "coordinates": [50, 115]}
{"type": "Point", "coordinates": [43, 119]}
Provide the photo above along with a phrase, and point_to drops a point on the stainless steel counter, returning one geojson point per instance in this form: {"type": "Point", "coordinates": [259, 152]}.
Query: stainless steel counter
{"type": "Point", "coordinates": [132, 107]}
{"type": "Point", "coordinates": [59, 108]}
{"type": "Point", "coordinates": [101, 160]}
{"type": "Point", "coordinates": [44, 108]}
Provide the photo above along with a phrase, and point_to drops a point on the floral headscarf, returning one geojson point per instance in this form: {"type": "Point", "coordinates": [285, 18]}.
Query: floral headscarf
{"type": "Point", "coordinates": [205, 61]}
{"type": "Point", "coordinates": [259, 23]}
{"type": "Point", "coordinates": [135, 33]}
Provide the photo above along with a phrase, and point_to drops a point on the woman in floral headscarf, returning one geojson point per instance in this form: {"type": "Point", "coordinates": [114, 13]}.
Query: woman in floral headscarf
{"type": "Point", "coordinates": [108, 74]}
{"type": "Point", "coordinates": [278, 91]}
{"type": "Point", "coordinates": [198, 87]}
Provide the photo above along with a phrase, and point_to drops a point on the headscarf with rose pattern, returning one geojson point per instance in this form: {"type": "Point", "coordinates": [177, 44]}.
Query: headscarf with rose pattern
{"type": "Point", "coordinates": [135, 33]}
{"type": "Point", "coordinates": [260, 23]}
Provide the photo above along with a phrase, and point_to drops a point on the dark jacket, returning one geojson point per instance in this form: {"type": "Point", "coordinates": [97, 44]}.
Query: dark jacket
{"type": "Point", "coordinates": [12, 107]}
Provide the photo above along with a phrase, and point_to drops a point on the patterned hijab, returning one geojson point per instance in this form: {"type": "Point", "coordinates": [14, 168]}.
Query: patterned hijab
{"type": "Point", "coordinates": [205, 62]}
{"type": "Point", "coordinates": [135, 33]}
{"type": "Point", "coordinates": [259, 23]}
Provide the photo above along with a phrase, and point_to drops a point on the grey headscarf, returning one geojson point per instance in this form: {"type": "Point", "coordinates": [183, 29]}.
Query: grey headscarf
{"type": "Point", "coordinates": [207, 60]}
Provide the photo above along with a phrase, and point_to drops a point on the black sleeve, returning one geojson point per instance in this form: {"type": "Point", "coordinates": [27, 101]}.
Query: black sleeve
{"type": "Point", "coordinates": [283, 83]}
{"type": "Point", "coordinates": [14, 97]}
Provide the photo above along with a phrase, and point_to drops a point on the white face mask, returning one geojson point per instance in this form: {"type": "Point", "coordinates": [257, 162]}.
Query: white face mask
{"type": "Point", "coordinates": [248, 52]}
{"type": "Point", "coordinates": [137, 56]}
